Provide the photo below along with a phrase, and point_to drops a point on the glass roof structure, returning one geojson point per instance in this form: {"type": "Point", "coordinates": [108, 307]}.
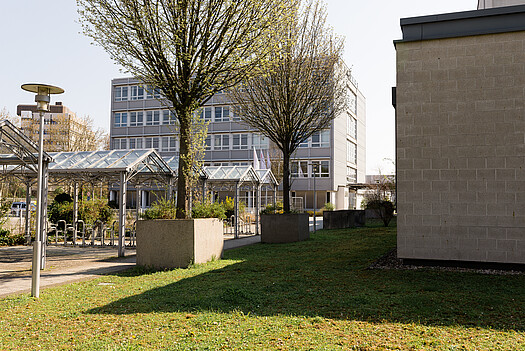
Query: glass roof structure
{"type": "Point", "coordinates": [17, 151]}
{"type": "Point", "coordinates": [139, 165]}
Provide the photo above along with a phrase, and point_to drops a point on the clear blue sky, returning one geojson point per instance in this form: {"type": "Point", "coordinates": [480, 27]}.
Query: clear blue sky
{"type": "Point", "coordinates": [41, 42]}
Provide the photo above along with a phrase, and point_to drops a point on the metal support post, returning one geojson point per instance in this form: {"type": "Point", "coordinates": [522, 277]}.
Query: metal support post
{"type": "Point", "coordinates": [236, 211]}
{"type": "Point", "coordinates": [75, 212]}
{"type": "Point", "coordinates": [258, 210]}
{"type": "Point", "coordinates": [315, 194]}
{"type": "Point", "coordinates": [122, 216]}
{"type": "Point", "coordinates": [28, 212]}
{"type": "Point", "coordinates": [37, 245]}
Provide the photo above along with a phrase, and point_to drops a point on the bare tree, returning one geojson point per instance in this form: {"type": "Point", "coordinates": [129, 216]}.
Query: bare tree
{"type": "Point", "coordinates": [301, 91]}
{"type": "Point", "coordinates": [87, 137]}
{"type": "Point", "coordinates": [188, 49]}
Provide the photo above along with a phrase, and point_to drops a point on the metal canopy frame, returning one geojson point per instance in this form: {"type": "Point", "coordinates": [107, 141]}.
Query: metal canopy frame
{"type": "Point", "coordinates": [115, 166]}
{"type": "Point", "coordinates": [19, 156]}
{"type": "Point", "coordinates": [235, 178]}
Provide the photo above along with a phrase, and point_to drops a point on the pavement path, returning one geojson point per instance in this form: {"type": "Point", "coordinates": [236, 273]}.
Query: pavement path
{"type": "Point", "coordinates": [71, 264]}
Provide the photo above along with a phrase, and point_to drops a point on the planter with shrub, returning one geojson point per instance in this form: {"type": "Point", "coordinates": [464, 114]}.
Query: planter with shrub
{"type": "Point", "coordinates": [166, 242]}
{"type": "Point", "coordinates": [278, 227]}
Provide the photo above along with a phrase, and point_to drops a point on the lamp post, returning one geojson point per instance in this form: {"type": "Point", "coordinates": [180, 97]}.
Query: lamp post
{"type": "Point", "coordinates": [315, 169]}
{"type": "Point", "coordinates": [42, 100]}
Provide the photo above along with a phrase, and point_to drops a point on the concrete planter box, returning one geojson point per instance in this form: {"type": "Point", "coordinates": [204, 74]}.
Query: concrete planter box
{"type": "Point", "coordinates": [343, 219]}
{"type": "Point", "coordinates": [284, 228]}
{"type": "Point", "coordinates": [176, 243]}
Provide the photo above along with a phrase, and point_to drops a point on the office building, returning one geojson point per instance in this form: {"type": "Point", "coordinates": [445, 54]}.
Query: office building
{"type": "Point", "coordinates": [139, 120]}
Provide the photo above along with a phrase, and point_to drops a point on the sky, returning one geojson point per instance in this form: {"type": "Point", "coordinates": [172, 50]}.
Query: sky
{"type": "Point", "coordinates": [42, 43]}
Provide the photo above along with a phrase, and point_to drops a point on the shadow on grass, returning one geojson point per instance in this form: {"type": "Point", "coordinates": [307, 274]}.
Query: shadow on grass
{"type": "Point", "coordinates": [327, 276]}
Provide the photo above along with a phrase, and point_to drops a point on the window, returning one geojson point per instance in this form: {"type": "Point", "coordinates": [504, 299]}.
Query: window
{"type": "Point", "coordinates": [222, 114]}
{"type": "Point", "coordinates": [240, 141]}
{"type": "Point", "coordinates": [135, 143]}
{"type": "Point", "coordinates": [152, 118]}
{"type": "Point", "coordinates": [207, 143]}
{"type": "Point", "coordinates": [121, 119]}
{"type": "Point", "coordinates": [236, 113]}
{"type": "Point", "coordinates": [121, 93]}
{"type": "Point", "coordinates": [351, 152]}
{"type": "Point", "coordinates": [168, 117]}
{"type": "Point", "coordinates": [351, 175]}
{"type": "Point", "coordinates": [137, 92]}
{"type": "Point", "coordinates": [221, 142]}
{"type": "Point", "coordinates": [304, 143]}
{"type": "Point", "coordinates": [149, 92]}
{"type": "Point", "coordinates": [299, 169]}
{"type": "Point", "coordinates": [260, 141]}
{"type": "Point", "coordinates": [205, 113]}
{"type": "Point", "coordinates": [321, 169]}
{"type": "Point", "coordinates": [351, 127]}
{"type": "Point", "coordinates": [352, 103]}
{"type": "Point", "coordinates": [136, 119]}
{"type": "Point", "coordinates": [169, 143]}
{"type": "Point", "coordinates": [321, 139]}
{"type": "Point", "coordinates": [152, 143]}
{"type": "Point", "coordinates": [119, 144]}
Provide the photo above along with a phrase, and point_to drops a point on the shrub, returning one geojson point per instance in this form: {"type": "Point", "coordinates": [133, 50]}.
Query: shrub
{"type": "Point", "coordinates": [88, 211]}
{"type": "Point", "coordinates": [329, 206]}
{"type": "Point", "coordinates": [229, 207]}
{"type": "Point", "coordinates": [6, 239]}
{"type": "Point", "coordinates": [317, 213]}
{"type": "Point", "coordinates": [161, 209]}
{"type": "Point", "coordinates": [383, 208]}
{"type": "Point", "coordinates": [271, 209]}
{"type": "Point", "coordinates": [209, 210]}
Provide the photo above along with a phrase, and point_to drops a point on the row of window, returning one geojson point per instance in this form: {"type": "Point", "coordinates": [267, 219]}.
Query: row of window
{"type": "Point", "coordinates": [307, 169]}
{"type": "Point", "coordinates": [242, 141]}
{"type": "Point", "coordinates": [168, 143]}
{"type": "Point", "coordinates": [167, 117]}
{"type": "Point", "coordinates": [144, 118]}
{"type": "Point", "coordinates": [319, 139]}
{"type": "Point", "coordinates": [136, 92]}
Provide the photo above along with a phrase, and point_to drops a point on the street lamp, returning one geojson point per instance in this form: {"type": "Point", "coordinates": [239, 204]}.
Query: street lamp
{"type": "Point", "coordinates": [315, 170]}
{"type": "Point", "coordinates": [42, 100]}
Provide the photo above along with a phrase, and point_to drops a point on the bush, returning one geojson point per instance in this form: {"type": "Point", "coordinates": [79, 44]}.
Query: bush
{"type": "Point", "coordinates": [229, 207]}
{"type": "Point", "coordinates": [383, 208]}
{"type": "Point", "coordinates": [88, 211]}
{"type": "Point", "coordinates": [209, 210]}
{"type": "Point", "coordinates": [161, 209]}
{"type": "Point", "coordinates": [271, 209]}
{"type": "Point", "coordinates": [317, 213]}
{"type": "Point", "coordinates": [6, 239]}
{"type": "Point", "coordinates": [329, 206]}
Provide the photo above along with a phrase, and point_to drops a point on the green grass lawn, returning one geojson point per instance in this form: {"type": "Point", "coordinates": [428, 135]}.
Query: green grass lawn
{"type": "Point", "coordinates": [313, 295]}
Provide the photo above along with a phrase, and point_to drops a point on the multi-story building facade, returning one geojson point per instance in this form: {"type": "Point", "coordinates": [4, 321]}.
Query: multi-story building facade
{"type": "Point", "coordinates": [140, 120]}
{"type": "Point", "coordinates": [62, 128]}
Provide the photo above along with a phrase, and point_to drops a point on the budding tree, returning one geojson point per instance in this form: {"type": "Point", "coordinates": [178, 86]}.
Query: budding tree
{"type": "Point", "coordinates": [188, 49]}
{"type": "Point", "coordinates": [302, 89]}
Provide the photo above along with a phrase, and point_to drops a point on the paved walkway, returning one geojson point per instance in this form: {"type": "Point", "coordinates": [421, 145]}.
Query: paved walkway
{"type": "Point", "coordinates": [71, 264]}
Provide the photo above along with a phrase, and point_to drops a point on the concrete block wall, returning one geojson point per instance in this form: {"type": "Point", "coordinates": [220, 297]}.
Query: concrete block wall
{"type": "Point", "coordinates": [460, 121]}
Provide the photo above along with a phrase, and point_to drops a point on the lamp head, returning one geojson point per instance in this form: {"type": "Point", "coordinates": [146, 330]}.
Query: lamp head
{"type": "Point", "coordinates": [43, 93]}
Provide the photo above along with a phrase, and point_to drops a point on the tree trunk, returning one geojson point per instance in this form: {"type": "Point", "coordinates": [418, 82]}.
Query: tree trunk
{"type": "Point", "coordinates": [286, 181]}
{"type": "Point", "coordinates": [184, 164]}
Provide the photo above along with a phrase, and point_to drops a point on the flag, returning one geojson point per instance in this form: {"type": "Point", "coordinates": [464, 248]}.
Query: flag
{"type": "Point", "coordinates": [255, 160]}
{"type": "Point", "coordinates": [268, 163]}
{"type": "Point", "coordinates": [263, 163]}
{"type": "Point", "coordinates": [301, 174]}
